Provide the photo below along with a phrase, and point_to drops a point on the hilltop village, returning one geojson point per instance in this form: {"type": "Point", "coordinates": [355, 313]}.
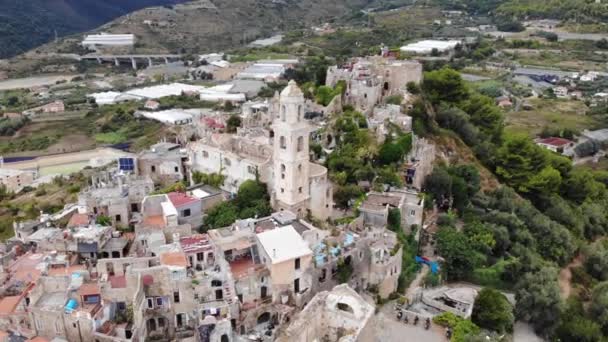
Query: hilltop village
{"type": "Point", "coordinates": [406, 173]}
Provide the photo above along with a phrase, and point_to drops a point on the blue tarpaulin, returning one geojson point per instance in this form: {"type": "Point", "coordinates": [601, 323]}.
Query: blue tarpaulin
{"type": "Point", "coordinates": [71, 305]}
{"type": "Point", "coordinates": [433, 264]}
{"type": "Point", "coordinates": [349, 239]}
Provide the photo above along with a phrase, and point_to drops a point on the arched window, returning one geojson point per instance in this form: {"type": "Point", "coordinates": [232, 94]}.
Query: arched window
{"type": "Point", "coordinates": [264, 317]}
{"type": "Point", "coordinates": [216, 282]}
{"type": "Point", "coordinates": [283, 111]}
{"type": "Point", "coordinates": [300, 144]}
{"type": "Point", "coordinates": [282, 143]}
{"type": "Point", "coordinates": [282, 167]}
{"type": "Point", "coordinates": [300, 168]}
{"type": "Point", "coordinates": [299, 112]}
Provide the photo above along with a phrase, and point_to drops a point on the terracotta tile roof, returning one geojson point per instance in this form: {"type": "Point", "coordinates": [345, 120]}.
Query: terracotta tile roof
{"type": "Point", "coordinates": [78, 220]}
{"type": "Point", "coordinates": [64, 271]}
{"type": "Point", "coordinates": [554, 141]}
{"type": "Point", "coordinates": [147, 279]}
{"type": "Point", "coordinates": [38, 339]}
{"type": "Point", "coordinates": [241, 267]}
{"type": "Point", "coordinates": [179, 199]}
{"type": "Point", "coordinates": [174, 259]}
{"type": "Point", "coordinates": [8, 304]}
{"type": "Point", "coordinates": [26, 275]}
{"type": "Point", "coordinates": [195, 243]}
{"type": "Point", "coordinates": [88, 289]}
{"type": "Point", "coordinates": [154, 221]}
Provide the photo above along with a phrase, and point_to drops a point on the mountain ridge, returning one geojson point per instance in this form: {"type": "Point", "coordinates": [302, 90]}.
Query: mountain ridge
{"type": "Point", "coordinates": [27, 24]}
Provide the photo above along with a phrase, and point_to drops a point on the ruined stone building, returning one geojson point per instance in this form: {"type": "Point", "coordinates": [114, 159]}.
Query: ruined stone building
{"type": "Point", "coordinates": [371, 79]}
{"type": "Point", "coordinates": [419, 162]}
{"type": "Point", "coordinates": [337, 315]}
{"type": "Point", "coordinates": [163, 163]}
{"type": "Point", "coordinates": [117, 196]}
{"type": "Point", "coordinates": [375, 209]}
{"type": "Point", "coordinates": [370, 256]}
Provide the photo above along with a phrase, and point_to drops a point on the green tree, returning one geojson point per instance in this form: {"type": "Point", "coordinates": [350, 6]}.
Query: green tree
{"type": "Point", "coordinates": [249, 192]}
{"type": "Point", "coordinates": [546, 182]}
{"type": "Point", "coordinates": [389, 153]}
{"type": "Point", "coordinates": [597, 261]}
{"type": "Point", "coordinates": [518, 160]}
{"type": "Point", "coordinates": [233, 122]}
{"type": "Point", "coordinates": [413, 88]}
{"type": "Point", "coordinates": [599, 304]}
{"type": "Point", "coordinates": [493, 311]}
{"type": "Point", "coordinates": [439, 184]}
{"type": "Point", "coordinates": [343, 194]}
{"type": "Point", "coordinates": [538, 300]}
{"type": "Point", "coordinates": [454, 247]}
{"type": "Point", "coordinates": [575, 326]}
{"type": "Point", "coordinates": [394, 219]}
{"type": "Point", "coordinates": [222, 215]}
{"type": "Point", "coordinates": [470, 175]}
{"type": "Point", "coordinates": [581, 185]}
{"type": "Point", "coordinates": [103, 220]}
{"type": "Point", "coordinates": [444, 85]}
{"type": "Point", "coordinates": [462, 329]}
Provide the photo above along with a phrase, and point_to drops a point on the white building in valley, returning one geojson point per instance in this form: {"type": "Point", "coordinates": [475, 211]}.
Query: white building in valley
{"type": "Point", "coordinates": [427, 46]}
{"type": "Point", "coordinates": [280, 158]}
{"type": "Point", "coordinates": [94, 40]}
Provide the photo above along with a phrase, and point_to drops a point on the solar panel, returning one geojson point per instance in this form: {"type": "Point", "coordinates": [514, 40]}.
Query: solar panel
{"type": "Point", "coordinates": [126, 164]}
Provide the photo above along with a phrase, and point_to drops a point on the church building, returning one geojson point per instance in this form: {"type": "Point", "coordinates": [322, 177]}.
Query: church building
{"type": "Point", "coordinates": [280, 157]}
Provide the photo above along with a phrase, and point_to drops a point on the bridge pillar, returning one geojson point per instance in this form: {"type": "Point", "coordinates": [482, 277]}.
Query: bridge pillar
{"type": "Point", "coordinates": [99, 60]}
{"type": "Point", "coordinates": [116, 62]}
{"type": "Point", "coordinates": [134, 63]}
{"type": "Point", "coordinates": [149, 62]}
{"type": "Point", "coordinates": [166, 60]}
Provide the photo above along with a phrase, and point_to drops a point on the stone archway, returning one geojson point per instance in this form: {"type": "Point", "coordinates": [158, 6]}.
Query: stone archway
{"type": "Point", "coordinates": [264, 318]}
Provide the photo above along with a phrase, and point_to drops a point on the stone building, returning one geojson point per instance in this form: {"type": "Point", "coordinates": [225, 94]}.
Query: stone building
{"type": "Point", "coordinates": [279, 157]}
{"type": "Point", "coordinates": [163, 163]}
{"type": "Point", "coordinates": [117, 196]}
{"type": "Point", "coordinates": [369, 80]}
{"type": "Point", "coordinates": [15, 180]}
{"type": "Point", "coordinates": [375, 209]}
{"type": "Point", "coordinates": [419, 163]}
{"type": "Point", "coordinates": [369, 255]}
{"type": "Point", "coordinates": [337, 315]}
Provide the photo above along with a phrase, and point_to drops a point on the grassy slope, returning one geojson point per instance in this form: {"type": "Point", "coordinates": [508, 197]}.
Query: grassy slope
{"type": "Point", "coordinates": [555, 113]}
{"type": "Point", "coordinates": [191, 30]}
{"type": "Point", "coordinates": [26, 24]}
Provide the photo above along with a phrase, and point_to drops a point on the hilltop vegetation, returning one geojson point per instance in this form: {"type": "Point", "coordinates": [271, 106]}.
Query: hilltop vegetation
{"type": "Point", "coordinates": [519, 235]}
{"type": "Point", "coordinates": [27, 24]}
{"type": "Point", "coordinates": [583, 11]}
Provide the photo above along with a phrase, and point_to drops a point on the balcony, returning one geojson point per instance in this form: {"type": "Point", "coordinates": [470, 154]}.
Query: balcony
{"type": "Point", "coordinates": [256, 303]}
{"type": "Point", "coordinates": [157, 310]}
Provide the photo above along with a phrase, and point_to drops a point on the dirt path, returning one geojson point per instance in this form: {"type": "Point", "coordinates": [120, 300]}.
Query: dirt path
{"type": "Point", "coordinates": [565, 276]}
{"type": "Point", "coordinates": [409, 292]}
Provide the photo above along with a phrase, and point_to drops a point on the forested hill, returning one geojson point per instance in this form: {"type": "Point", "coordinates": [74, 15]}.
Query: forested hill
{"type": "Point", "coordinates": [25, 24]}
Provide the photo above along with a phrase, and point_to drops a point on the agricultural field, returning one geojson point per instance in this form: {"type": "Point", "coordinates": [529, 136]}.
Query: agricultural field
{"type": "Point", "coordinates": [554, 113]}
